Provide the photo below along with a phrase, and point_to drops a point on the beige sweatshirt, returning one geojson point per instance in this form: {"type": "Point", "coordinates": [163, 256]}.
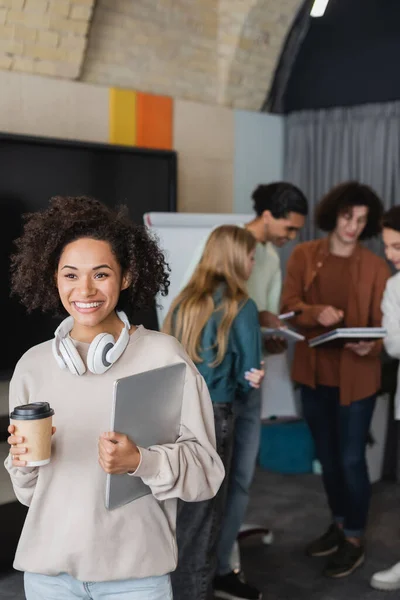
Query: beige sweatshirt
{"type": "Point", "coordinates": [68, 528]}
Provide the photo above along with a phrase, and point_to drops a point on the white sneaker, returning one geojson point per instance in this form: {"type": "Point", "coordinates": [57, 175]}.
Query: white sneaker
{"type": "Point", "coordinates": [268, 538]}
{"type": "Point", "coordinates": [387, 580]}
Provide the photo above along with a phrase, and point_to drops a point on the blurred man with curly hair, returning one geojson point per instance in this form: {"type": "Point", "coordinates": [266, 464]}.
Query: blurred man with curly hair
{"type": "Point", "coordinates": [335, 281]}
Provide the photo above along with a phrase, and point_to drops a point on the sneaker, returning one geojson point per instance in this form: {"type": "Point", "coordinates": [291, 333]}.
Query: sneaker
{"type": "Point", "coordinates": [233, 587]}
{"type": "Point", "coordinates": [268, 538]}
{"type": "Point", "coordinates": [346, 559]}
{"type": "Point", "coordinates": [328, 543]}
{"type": "Point", "coordinates": [387, 580]}
{"type": "Point", "coordinates": [249, 530]}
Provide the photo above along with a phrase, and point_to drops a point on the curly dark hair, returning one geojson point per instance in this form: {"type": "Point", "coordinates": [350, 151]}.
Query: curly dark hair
{"type": "Point", "coordinates": [67, 219]}
{"type": "Point", "coordinates": [341, 199]}
{"type": "Point", "coordinates": [391, 218]}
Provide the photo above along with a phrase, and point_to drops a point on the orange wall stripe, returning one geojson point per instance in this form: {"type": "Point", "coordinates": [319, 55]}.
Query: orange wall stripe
{"type": "Point", "coordinates": [154, 121]}
{"type": "Point", "coordinates": [122, 116]}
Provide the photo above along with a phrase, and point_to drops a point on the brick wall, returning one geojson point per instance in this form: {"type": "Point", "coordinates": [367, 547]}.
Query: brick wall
{"type": "Point", "coordinates": [46, 37]}
{"type": "Point", "coordinates": [250, 38]}
{"type": "Point", "coordinates": [161, 46]}
{"type": "Point", "coordinates": [213, 51]}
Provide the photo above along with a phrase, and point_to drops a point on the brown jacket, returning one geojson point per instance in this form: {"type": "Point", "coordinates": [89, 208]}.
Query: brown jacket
{"type": "Point", "coordinates": [360, 377]}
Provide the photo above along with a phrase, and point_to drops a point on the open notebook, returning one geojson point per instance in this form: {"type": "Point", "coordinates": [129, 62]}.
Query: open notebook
{"type": "Point", "coordinates": [147, 408]}
{"type": "Point", "coordinates": [345, 335]}
{"type": "Point", "coordinates": [283, 333]}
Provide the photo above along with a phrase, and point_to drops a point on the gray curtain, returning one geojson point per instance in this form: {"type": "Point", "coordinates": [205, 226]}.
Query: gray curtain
{"type": "Point", "coordinates": [326, 147]}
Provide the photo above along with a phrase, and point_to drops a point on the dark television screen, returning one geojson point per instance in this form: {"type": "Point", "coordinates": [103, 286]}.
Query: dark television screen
{"type": "Point", "coordinates": [32, 170]}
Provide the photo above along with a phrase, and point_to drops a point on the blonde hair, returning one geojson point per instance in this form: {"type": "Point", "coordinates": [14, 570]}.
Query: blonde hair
{"type": "Point", "coordinates": [223, 263]}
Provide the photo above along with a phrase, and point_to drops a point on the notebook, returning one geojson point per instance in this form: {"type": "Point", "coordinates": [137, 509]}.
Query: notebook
{"type": "Point", "coordinates": [283, 333]}
{"type": "Point", "coordinates": [147, 408]}
{"type": "Point", "coordinates": [345, 335]}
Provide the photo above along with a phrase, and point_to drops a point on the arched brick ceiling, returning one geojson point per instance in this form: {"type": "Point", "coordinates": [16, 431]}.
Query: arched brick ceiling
{"type": "Point", "coordinates": [214, 51]}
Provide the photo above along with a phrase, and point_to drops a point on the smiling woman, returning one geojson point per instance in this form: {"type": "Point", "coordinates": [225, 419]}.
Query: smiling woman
{"type": "Point", "coordinates": [68, 219]}
{"type": "Point", "coordinates": [89, 282]}
{"type": "Point", "coordinates": [93, 263]}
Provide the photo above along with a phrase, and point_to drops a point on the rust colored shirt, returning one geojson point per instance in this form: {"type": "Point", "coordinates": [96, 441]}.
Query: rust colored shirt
{"type": "Point", "coordinates": [359, 376]}
{"type": "Point", "coordinates": [331, 293]}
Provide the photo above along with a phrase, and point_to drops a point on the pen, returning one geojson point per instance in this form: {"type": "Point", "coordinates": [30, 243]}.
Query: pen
{"type": "Point", "coordinates": [289, 315]}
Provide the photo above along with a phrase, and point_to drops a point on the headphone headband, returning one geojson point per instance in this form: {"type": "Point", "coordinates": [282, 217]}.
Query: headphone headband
{"type": "Point", "coordinates": [104, 351]}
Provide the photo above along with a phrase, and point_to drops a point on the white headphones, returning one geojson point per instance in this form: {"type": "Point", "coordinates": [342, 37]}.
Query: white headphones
{"type": "Point", "coordinates": [104, 351]}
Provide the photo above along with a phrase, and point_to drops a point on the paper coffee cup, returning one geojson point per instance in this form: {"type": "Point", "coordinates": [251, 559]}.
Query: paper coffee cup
{"type": "Point", "coordinates": [34, 422]}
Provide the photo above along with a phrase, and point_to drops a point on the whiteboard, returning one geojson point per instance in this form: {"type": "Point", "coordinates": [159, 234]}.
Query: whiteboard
{"type": "Point", "coordinates": [180, 234]}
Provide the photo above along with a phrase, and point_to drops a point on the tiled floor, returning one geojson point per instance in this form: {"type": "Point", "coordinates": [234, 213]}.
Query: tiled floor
{"type": "Point", "coordinates": [295, 508]}
{"type": "Point", "coordinates": [11, 586]}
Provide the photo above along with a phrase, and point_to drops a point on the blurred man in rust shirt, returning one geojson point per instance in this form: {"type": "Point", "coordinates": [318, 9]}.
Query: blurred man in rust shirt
{"type": "Point", "coordinates": [336, 282]}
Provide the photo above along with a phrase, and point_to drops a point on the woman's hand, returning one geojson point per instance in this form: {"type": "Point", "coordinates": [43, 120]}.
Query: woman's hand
{"type": "Point", "coordinates": [255, 376]}
{"type": "Point", "coordinates": [18, 452]}
{"type": "Point", "coordinates": [360, 348]}
{"type": "Point", "coordinates": [118, 454]}
{"type": "Point", "coordinates": [330, 316]}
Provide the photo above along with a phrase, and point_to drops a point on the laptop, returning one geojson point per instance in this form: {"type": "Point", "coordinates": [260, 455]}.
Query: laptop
{"type": "Point", "coordinates": [147, 408]}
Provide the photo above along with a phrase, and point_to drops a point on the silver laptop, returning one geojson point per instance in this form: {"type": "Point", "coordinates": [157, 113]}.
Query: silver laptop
{"type": "Point", "coordinates": [147, 408]}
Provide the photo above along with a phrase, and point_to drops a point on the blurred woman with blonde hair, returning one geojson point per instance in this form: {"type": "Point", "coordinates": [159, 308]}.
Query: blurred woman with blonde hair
{"type": "Point", "coordinates": [217, 323]}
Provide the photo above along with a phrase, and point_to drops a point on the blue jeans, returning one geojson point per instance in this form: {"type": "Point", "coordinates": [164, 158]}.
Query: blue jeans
{"type": "Point", "coordinates": [198, 524]}
{"type": "Point", "coordinates": [247, 412]}
{"type": "Point", "coordinates": [340, 434]}
{"type": "Point", "coordinates": [65, 587]}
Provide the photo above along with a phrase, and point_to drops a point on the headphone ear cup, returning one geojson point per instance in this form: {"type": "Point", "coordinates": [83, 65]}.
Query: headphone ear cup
{"type": "Point", "coordinates": [96, 359]}
{"type": "Point", "coordinates": [71, 357]}
{"type": "Point", "coordinates": [116, 351]}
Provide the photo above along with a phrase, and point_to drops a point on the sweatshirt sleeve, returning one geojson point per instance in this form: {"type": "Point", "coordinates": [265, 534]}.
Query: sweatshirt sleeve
{"type": "Point", "coordinates": [391, 317]}
{"type": "Point", "coordinates": [381, 279]}
{"type": "Point", "coordinates": [190, 469]}
{"type": "Point", "coordinates": [293, 291]}
{"type": "Point", "coordinates": [246, 335]}
{"type": "Point", "coordinates": [23, 479]}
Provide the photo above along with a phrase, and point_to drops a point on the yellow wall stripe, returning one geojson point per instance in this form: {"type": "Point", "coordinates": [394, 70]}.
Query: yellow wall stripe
{"type": "Point", "coordinates": [122, 107]}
